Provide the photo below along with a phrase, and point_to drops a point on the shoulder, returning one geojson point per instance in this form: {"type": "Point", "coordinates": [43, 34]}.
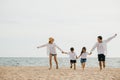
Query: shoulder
{"type": "Point", "coordinates": [97, 43]}
{"type": "Point", "coordinates": [104, 41]}
{"type": "Point", "coordinates": [47, 44]}
{"type": "Point", "coordinates": [51, 44]}
{"type": "Point", "coordinates": [68, 53]}
{"type": "Point", "coordinates": [54, 44]}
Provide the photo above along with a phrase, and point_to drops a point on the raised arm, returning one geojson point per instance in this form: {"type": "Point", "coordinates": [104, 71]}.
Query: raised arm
{"type": "Point", "coordinates": [109, 39]}
{"type": "Point", "coordinates": [93, 48]}
{"type": "Point", "coordinates": [42, 46]}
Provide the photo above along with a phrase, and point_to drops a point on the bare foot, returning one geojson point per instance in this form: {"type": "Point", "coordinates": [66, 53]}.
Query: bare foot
{"type": "Point", "coordinates": [56, 67]}
{"type": "Point", "coordinates": [50, 68]}
{"type": "Point", "coordinates": [100, 69]}
{"type": "Point", "coordinates": [83, 69]}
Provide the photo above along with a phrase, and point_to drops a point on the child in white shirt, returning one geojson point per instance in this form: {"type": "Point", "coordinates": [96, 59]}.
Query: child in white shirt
{"type": "Point", "coordinates": [73, 57]}
{"type": "Point", "coordinates": [83, 56]}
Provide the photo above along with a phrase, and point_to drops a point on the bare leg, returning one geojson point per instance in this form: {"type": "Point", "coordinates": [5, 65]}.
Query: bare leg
{"type": "Point", "coordinates": [55, 58]}
{"type": "Point", "coordinates": [103, 64]}
{"type": "Point", "coordinates": [83, 66]}
{"type": "Point", "coordinates": [50, 61]}
{"type": "Point", "coordinates": [100, 64]}
{"type": "Point", "coordinates": [70, 65]}
{"type": "Point", "coordinates": [74, 66]}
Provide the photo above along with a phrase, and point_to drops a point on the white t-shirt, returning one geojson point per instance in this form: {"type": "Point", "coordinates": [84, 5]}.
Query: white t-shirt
{"type": "Point", "coordinates": [84, 55]}
{"type": "Point", "coordinates": [51, 48]}
{"type": "Point", "coordinates": [72, 55]}
{"type": "Point", "coordinates": [102, 47]}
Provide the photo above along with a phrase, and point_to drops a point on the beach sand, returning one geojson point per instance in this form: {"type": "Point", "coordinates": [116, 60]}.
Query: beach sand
{"type": "Point", "coordinates": [64, 73]}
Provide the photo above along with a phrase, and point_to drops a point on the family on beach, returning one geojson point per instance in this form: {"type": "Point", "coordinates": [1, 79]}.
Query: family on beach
{"type": "Point", "coordinates": [101, 46]}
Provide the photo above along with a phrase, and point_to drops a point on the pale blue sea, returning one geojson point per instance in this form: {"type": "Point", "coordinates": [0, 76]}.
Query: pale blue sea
{"type": "Point", "coordinates": [31, 61]}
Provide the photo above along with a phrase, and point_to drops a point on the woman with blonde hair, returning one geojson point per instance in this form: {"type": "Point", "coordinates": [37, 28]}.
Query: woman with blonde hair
{"type": "Point", "coordinates": [51, 50]}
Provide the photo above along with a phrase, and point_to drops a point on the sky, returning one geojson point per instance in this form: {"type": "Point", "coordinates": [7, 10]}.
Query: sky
{"type": "Point", "coordinates": [26, 24]}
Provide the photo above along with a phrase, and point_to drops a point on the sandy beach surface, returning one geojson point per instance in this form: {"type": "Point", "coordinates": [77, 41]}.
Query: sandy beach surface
{"type": "Point", "coordinates": [64, 73]}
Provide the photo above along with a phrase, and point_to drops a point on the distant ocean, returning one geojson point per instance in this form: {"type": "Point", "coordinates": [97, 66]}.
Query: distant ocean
{"type": "Point", "coordinates": [31, 61]}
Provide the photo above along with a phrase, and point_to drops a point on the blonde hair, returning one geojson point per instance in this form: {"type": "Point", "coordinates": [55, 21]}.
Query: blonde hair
{"type": "Point", "coordinates": [51, 39]}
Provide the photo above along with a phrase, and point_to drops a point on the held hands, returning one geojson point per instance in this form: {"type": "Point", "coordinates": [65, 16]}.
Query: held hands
{"type": "Point", "coordinates": [115, 34]}
{"type": "Point", "coordinates": [90, 53]}
{"type": "Point", "coordinates": [77, 57]}
{"type": "Point", "coordinates": [63, 52]}
{"type": "Point", "coordinates": [38, 47]}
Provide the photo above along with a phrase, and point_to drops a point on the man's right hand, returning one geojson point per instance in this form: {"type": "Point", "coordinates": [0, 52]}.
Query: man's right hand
{"type": "Point", "coordinates": [90, 53]}
{"type": "Point", "coordinates": [115, 34]}
{"type": "Point", "coordinates": [37, 47]}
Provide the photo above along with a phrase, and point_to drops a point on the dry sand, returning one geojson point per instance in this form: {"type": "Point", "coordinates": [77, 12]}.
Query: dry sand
{"type": "Point", "coordinates": [64, 73]}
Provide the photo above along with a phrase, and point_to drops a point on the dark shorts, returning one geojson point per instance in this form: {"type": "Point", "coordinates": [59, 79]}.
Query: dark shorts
{"type": "Point", "coordinates": [53, 54]}
{"type": "Point", "coordinates": [72, 61]}
{"type": "Point", "coordinates": [83, 60]}
{"type": "Point", "coordinates": [101, 57]}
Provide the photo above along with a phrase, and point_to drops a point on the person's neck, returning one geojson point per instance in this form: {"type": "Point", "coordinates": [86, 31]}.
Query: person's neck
{"type": "Point", "coordinates": [100, 41]}
{"type": "Point", "coordinates": [72, 51]}
{"type": "Point", "coordinates": [84, 52]}
{"type": "Point", "coordinates": [50, 43]}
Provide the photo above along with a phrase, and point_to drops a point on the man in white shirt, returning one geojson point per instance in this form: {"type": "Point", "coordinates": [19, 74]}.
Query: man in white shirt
{"type": "Point", "coordinates": [101, 46]}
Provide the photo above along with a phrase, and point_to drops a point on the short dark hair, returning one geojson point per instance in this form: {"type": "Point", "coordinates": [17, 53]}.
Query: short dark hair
{"type": "Point", "coordinates": [71, 49]}
{"type": "Point", "coordinates": [100, 37]}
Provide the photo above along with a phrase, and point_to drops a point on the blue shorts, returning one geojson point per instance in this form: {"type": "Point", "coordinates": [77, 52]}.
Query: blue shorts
{"type": "Point", "coordinates": [83, 60]}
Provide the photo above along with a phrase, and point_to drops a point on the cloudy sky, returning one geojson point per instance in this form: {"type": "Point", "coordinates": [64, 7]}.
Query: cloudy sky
{"type": "Point", "coordinates": [26, 24]}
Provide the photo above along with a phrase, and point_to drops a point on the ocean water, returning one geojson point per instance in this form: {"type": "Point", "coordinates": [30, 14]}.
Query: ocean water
{"type": "Point", "coordinates": [31, 61]}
